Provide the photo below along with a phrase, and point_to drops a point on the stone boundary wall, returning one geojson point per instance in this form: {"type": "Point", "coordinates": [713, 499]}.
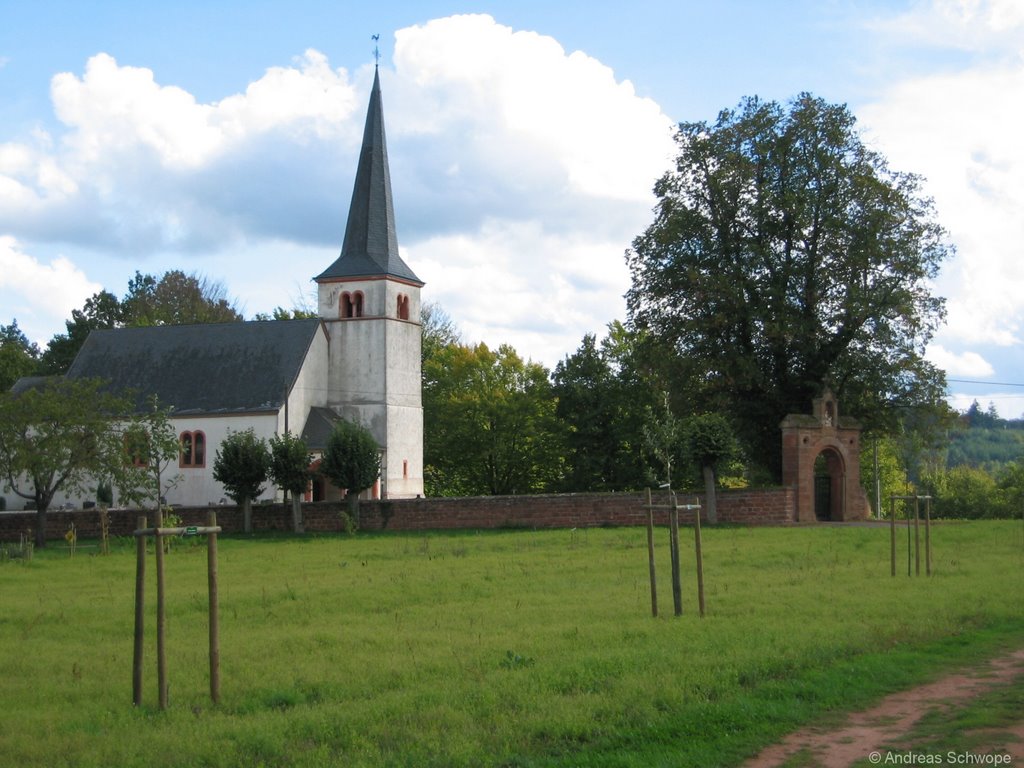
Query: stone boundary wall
{"type": "Point", "coordinates": [771, 506]}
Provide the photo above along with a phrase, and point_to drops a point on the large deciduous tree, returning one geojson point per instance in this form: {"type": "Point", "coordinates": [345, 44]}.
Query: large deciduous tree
{"type": "Point", "coordinates": [489, 423]}
{"type": "Point", "coordinates": [60, 436]}
{"type": "Point", "coordinates": [174, 299]}
{"type": "Point", "coordinates": [601, 402]}
{"type": "Point", "coordinates": [785, 254]}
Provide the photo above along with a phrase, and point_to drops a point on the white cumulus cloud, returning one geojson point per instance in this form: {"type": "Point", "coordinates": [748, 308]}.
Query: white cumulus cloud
{"type": "Point", "coordinates": [40, 295]}
{"type": "Point", "coordinates": [960, 129]}
{"type": "Point", "coordinates": [519, 181]}
{"type": "Point", "coordinates": [969, 364]}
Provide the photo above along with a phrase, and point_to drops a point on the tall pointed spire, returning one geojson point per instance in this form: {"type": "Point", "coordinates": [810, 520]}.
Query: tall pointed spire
{"type": "Point", "coordinates": [370, 248]}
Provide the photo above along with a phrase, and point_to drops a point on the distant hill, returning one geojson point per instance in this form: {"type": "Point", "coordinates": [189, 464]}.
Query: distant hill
{"type": "Point", "coordinates": [984, 440]}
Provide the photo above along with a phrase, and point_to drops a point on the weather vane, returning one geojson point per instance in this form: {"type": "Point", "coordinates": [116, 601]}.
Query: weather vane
{"type": "Point", "coordinates": [376, 49]}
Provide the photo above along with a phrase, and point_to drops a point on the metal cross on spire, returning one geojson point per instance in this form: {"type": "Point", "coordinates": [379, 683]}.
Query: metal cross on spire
{"type": "Point", "coordinates": [376, 49]}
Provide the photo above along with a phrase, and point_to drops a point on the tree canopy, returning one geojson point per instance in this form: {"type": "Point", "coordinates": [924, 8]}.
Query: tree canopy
{"type": "Point", "coordinates": [489, 423]}
{"type": "Point", "coordinates": [289, 470]}
{"type": "Point", "coordinates": [786, 255]}
{"type": "Point", "coordinates": [174, 299]}
{"type": "Point", "coordinates": [351, 461]}
{"type": "Point", "coordinates": [241, 465]}
{"type": "Point", "coordinates": [60, 436]}
{"type": "Point", "coordinates": [18, 356]}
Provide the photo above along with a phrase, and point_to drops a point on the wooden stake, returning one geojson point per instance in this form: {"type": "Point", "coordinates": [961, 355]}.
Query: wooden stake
{"type": "Point", "coordinates": [211, 560]}
{"type": "Point", "coordinates": [650, 555]}
{"type": "Point", "coordinates": [161, 613]}
{"type": "Point", "coordinates": [917, 536]}
{"type": "Point", "coordinates": [908, 535]}
{"type": "Point", "coordinates": [700, 559]}
{"type": "Point", "coordinates": [892, 531]}
{"type": "Point", "coordinates": [677, 587]}
{"type": "Point", "coordinates": [928, 535]}
{"type": "Point", "coordinates": [140, 608]}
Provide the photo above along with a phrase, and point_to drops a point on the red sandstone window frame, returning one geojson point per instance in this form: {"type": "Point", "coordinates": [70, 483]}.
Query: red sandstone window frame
{"type": "Point", "coordinates": [194, 456]}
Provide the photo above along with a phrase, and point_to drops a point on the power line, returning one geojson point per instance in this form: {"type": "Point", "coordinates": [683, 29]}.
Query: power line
{"type": "Point", "coordinates": [989, 383]}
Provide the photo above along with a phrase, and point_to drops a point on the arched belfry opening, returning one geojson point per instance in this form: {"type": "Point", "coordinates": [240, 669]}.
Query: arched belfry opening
{"type": "Point", "coordinates": [821, 461]}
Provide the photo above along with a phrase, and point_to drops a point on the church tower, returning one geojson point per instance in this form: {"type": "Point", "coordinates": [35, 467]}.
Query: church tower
{"type": "Point", "coordinates": [369, 300]}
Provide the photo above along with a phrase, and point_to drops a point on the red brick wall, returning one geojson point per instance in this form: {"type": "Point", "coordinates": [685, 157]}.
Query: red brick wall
{"type": "Point", "coordinates": [773, 506]}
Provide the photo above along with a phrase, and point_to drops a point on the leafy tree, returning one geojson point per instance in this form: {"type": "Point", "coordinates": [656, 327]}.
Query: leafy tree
{"type": "Point", "coordinates": [1010, 484]}
{"type": "Point", "coordinates": [892, 474]}
{"type": "Point", "coordinates": [280, 313]}
{"type": "Point", "coordinates": [289, 470]}
{"type": "Point", "coordinates": [709, 443]}
{"type": "Point", "coordinates": [351, 461]}
{"type": "Point", "coordinates": [152, 447]}
{"type": "Point", "coordinates": [59, 436]}
{"type": "Point", "coordinates": [489, 423]}
{"type": "Point", "coordinates": [439, 330]}
{"type": "Point", "coordinates": [785, 254]}
{"type": "Point", "coordinates": [241, 465]}
{"type": "Point", "coordinates": [663, 434]}
{"type": "Point", "coordinates": [101, 310]}
{"type": "Point", "coordinates": [962, 493]}
{"type": "Point", "coordinates": [601, 398]}
{"type": "Point", "coordinates": [176, 298]}
{"type": "Point", "coordinates": [18, 357]}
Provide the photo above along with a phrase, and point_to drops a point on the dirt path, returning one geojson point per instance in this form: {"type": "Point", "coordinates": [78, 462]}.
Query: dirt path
{"type": "Point", "coordinates": [864, 736]}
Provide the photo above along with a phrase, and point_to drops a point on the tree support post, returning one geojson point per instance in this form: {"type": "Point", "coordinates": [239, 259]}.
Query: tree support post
{"type": "Point", "coordinates": [892, 532]}
{"type": "Point", "coordinates": [677, 587]}
{"type": "Point", "coordinates": [161, 613]}
{"type": "Point", "coordinates": [650, 555]}
{"type": "Point", "coordinates": [211, 560]}
{"type": "Point", "coordinates": [158, 533]}
{"type": "Point", "coordinates": [699, 554]}
{"type": "Point", "coordinates": [928, 535]}
{"type": "Point", "coordinates": [140, 607]}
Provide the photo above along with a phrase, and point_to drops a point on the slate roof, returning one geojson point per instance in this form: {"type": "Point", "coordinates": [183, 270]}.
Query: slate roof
{"type": "Point", "coordinates": [27, 383]}
{"type": "Point", "coordinates": [319, 425]}
{"type": "Point", "coordinates": [220, 368]}
{"type": "Point", "coordinates": [370, 248]}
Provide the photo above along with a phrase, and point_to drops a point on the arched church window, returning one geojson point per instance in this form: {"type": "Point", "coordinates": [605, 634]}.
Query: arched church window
{"type": "Point", "coordinates": [193, 449]}
{"type": "Point", "coordinates": [357, 304]}
{"type": "Point", "coordinates": [345, 305]}
{"type": "Point", "coordinates": [403, 307]}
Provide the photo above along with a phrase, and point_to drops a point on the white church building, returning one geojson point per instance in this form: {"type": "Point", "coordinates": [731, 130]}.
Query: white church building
{"type": "Point", "coordinates": [359, 360]}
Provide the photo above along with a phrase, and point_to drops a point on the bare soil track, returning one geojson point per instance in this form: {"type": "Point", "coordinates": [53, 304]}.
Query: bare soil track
{"type": "Point", "coordinates": [891, 720]}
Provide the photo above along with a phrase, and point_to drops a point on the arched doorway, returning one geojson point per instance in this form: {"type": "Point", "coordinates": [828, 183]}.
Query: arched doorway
{"type": "Point", "coordinates": [820, 461]}
{"type": "Point", "coordinates": [829, 481]}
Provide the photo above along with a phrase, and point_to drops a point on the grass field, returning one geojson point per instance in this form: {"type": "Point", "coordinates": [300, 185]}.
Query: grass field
{"type": "Point", "coordinates": [512, 648]}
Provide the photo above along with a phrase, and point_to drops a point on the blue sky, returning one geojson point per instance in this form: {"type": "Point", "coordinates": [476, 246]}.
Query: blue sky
{"type": "Point", "coordinates": [524, 139]}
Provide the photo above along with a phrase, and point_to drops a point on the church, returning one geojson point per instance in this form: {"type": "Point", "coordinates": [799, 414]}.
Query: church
{"type": "Point", "coordinates": [359, 360]}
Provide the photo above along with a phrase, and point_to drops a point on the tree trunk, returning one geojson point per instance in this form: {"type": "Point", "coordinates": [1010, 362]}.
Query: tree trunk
{"type": "Point", "coordinates": [297, 526]}
{"type": "Point", "coordinates": [40, 527]}
{"type": "Point", "coordinates": [353, 509]}
{"type": "Point", "coordinates": [709, 492]}
{"type": "Point", "coordinates": [247, 515]}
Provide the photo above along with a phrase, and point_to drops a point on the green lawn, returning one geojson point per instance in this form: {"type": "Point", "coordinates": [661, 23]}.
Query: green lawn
{"type": "Point", "coordinates": [513, 648]}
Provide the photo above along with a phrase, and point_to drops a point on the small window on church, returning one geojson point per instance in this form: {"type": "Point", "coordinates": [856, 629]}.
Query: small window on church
{"type": "Point", "coordinates": [403, 307]}
{"type": "Point", "coordinates": [357, 304]}
{"type": "Point", "coordinates": [193, 449]}
{"type": "Point", "coordinates": [345, 305]}
{"type": "Point", "coordinates": [405, 469]}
